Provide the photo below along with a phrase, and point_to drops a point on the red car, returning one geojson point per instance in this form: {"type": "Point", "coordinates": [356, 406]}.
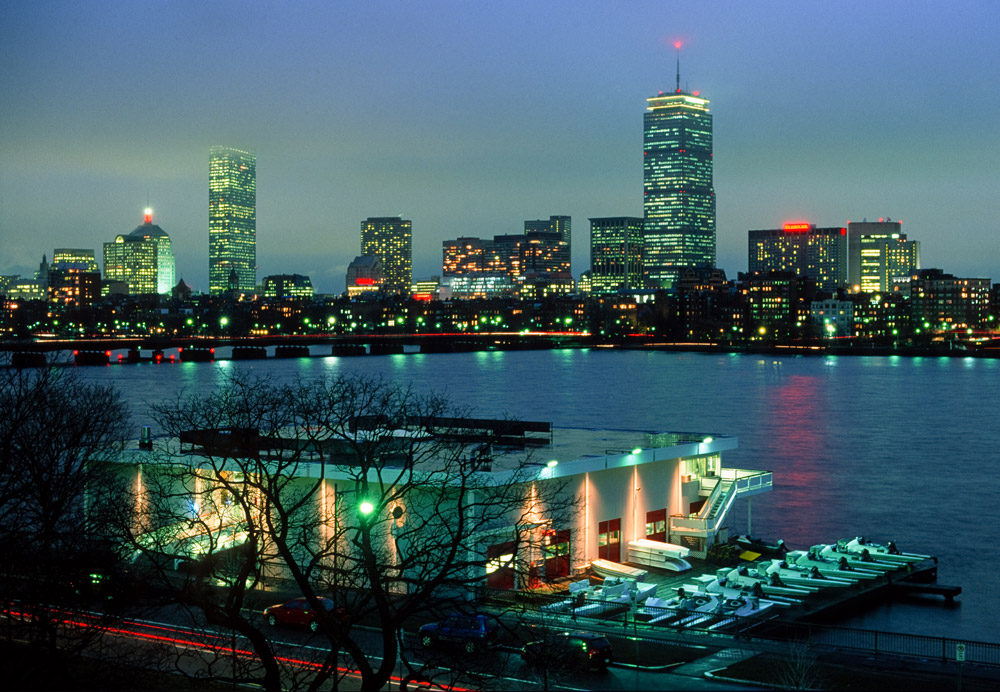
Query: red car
{"type": "Point", "coordinates": [299, 612]}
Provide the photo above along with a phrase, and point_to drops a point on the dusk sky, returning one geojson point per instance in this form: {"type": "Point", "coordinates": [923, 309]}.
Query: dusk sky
{"type": "Point", "coordinates": [470, 117]}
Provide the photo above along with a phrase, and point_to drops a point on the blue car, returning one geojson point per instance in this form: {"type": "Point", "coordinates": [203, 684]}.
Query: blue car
{"type": "Point", "coordinates": [472, 632]}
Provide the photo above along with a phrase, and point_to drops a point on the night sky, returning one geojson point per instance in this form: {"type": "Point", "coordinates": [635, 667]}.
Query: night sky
{"type": "Point", "coordinates": [470, 117]}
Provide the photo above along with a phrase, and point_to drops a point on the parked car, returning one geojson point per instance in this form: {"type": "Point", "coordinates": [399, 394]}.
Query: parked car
{"type": "Point", "coordinates": [472, 632]}
{"type": "Point", "coordinates": [298, 612]}
{"type": "Point", "coordinates": [570, 650]}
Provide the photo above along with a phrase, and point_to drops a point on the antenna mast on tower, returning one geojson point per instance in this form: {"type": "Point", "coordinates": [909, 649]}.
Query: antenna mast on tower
{"type": "Point", "coordinates": [677, 45]}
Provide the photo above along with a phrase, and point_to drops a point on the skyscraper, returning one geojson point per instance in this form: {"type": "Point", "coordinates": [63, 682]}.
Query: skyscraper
{"type": "Point", "coordinates": [819, 254]}
{"type": "Point", "coordinates": [131, 260]}
{"type": "Point", "coordinates": [164, 251]}
{"type": "Point", "coordinates": [232, 219]}
{"type": "Point", "coordinates": [390, 238]}
{"type": "Point", "coordinates": [879, 255]}
{"type": "Point", "coordinates": [615, 254]}
{"type": "Point", "coordinates": [678, 193]}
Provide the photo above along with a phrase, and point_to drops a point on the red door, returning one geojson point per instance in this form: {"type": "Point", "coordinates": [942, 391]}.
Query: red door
{"type": "Point", "coordinates": [609, 535]}
{"type": "Point", "coordinates": [656, 525]}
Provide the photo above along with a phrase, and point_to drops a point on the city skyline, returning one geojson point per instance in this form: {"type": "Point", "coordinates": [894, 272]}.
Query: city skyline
{"type": "Point", "coordinates": [470, 121]}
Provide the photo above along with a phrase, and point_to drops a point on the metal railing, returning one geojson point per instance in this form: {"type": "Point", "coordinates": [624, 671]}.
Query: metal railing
{"type": "Point", "coordinates": [748, 480]}
{"type": "Point", "coordinates": [651, 622]}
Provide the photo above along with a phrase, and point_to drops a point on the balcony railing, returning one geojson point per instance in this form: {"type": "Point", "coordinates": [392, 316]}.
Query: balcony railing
{"type": "Point", "coordinates": [748, 481]}
{"type": "Point", "coordinates": [743, 481]}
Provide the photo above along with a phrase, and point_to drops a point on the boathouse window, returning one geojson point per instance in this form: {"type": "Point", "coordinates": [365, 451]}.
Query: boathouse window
{"type": "Point", "coordinates": [656, 525]}
{"type": "Point", "coordinates": [609, 539]}
{"type": "Point", "coordinates": [556, 553]}
{"type": "Point", "coordinates": [500, 565]}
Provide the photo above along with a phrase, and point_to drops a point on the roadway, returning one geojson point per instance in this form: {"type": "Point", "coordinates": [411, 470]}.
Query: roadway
{"type": "Point", "coordinates": [171, 639]}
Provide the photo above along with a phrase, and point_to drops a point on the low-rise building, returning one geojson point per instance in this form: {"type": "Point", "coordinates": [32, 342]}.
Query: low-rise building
{"type": "Point", "coordinates": [942, 302]}
{"type": "Point", "coordinates": [611, 487]}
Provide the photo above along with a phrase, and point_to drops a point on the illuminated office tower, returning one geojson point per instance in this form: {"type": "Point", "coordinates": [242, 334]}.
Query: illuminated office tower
{"type": "Point", "coordinates": [75, 258]}
{"type": "Point", "coordinates": [164, 251]}
{"type": "Point", "coordinates": [552, 239]}
{"type": "Point", "coordinates": [879, 256]}
{"type": "Point", "coordinates": [131, 260]}
{"type": "Point", "coordinates": [819, 254]}
{"type": "Point", "coordinates": [615, 254]}
{"type": "Point", "coordinates": [232, 219]}
{"type": "Point", "coordinates": [678, 194]}
{"type": "Point", "coordinates": [465, 256]}
{"type": "Point", "coordinates": [390, 238]}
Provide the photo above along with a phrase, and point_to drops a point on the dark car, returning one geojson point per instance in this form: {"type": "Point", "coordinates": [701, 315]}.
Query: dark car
{"type": "Point", "coordinates": [570, 650]}
{"type": "Point", "coordinates": [472, 632]}
{"type": "Point", "coordinates": [298, 612]}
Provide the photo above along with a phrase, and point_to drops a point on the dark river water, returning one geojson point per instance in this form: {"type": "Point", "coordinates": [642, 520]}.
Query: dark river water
{"type": "Point", "coordinates": [893, 448]}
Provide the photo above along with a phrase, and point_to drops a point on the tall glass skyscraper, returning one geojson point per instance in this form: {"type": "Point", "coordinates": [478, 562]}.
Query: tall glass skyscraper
{"type": "Point", "coordinates": [232, 219]}
{"type": "Point", "coordinates": [678, 194]}
{"type": "Point", "coordinates": [143, 259]}
{"type": "Point", "coordinates": [390, 238]}
{"type": "Point", "coordinates": [615, 254]}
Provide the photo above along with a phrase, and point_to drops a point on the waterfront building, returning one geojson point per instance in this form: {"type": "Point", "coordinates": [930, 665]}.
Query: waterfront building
{"type": "Point", "coordinates": [365, 275]}
{"type": "Point", "coordinates": [832, 317]}
{"type": "Point", "coordinates": [616, 254]}
{"type": "Point", "coordinates": [592, 495]}
{"type": "Point", "coordinates": [287, 286]}
{"type": "Point", "coordinates": [678, 190]}
{"type": "Point", "coordinates": [390, 238]}
{"type": "Point", "coordinates": [585, 284]}
{"type": "Point", "coordinates": [232, 220]}
{"type": "Point", "coordinates": [705, 305]}
{"type": "Point", "coordinates": [776, 303]}
{"type": "Point", "coordinates": [879, 255]}
{"type": "Point", "coordinates": [881, 316]}
{"type": "Point", "coordinates": [942, 302]}
{"type": "Point", "coordinates": [819, 254]}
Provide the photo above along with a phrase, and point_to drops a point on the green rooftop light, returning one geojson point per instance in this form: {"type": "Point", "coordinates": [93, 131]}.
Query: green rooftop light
{"type": "Point", "coordinates": [552, 462]}
{"type": "Point", "coordinates": [366, 508]}
{"type": "Point", "coordinates": [637, 450]}
{"type": "Point", "coordinates": [707, 440]}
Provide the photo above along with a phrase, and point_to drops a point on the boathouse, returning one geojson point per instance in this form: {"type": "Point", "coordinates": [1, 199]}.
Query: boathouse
{"type": "Point", "coordinates": [620, 487]}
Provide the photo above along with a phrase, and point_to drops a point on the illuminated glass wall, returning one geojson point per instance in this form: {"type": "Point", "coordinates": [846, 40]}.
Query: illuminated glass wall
{"type": "Point", "coordinates": [802, 249]}
{"type": "Point", "coordinates": [616, 254]}
{"type": "Point", "coordinates": [678, 193]}
{"type": "Point", "coordinates": [132, 260]}
{"type": "Point", "coordinates": [232, 219]}
{"type": "Point", "coordinates": [390, 238]}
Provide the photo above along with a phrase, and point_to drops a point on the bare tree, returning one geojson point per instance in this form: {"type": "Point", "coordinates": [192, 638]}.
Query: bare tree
{"type": "Point", "coordinates": [353, 489]}
{"type": "Point", "coordinates": [55, 546]}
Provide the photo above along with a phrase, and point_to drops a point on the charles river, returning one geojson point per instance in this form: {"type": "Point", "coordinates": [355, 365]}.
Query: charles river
{"type": "Point", "coordinates": [891, 448]}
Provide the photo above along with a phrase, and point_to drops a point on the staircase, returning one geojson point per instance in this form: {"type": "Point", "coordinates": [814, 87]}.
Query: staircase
{"type": "Point", "coordinates": [719, 502]}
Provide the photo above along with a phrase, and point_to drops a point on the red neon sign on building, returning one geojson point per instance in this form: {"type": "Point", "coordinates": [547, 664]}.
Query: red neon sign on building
{"type": "Point", "coordinates": [797, 227]}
